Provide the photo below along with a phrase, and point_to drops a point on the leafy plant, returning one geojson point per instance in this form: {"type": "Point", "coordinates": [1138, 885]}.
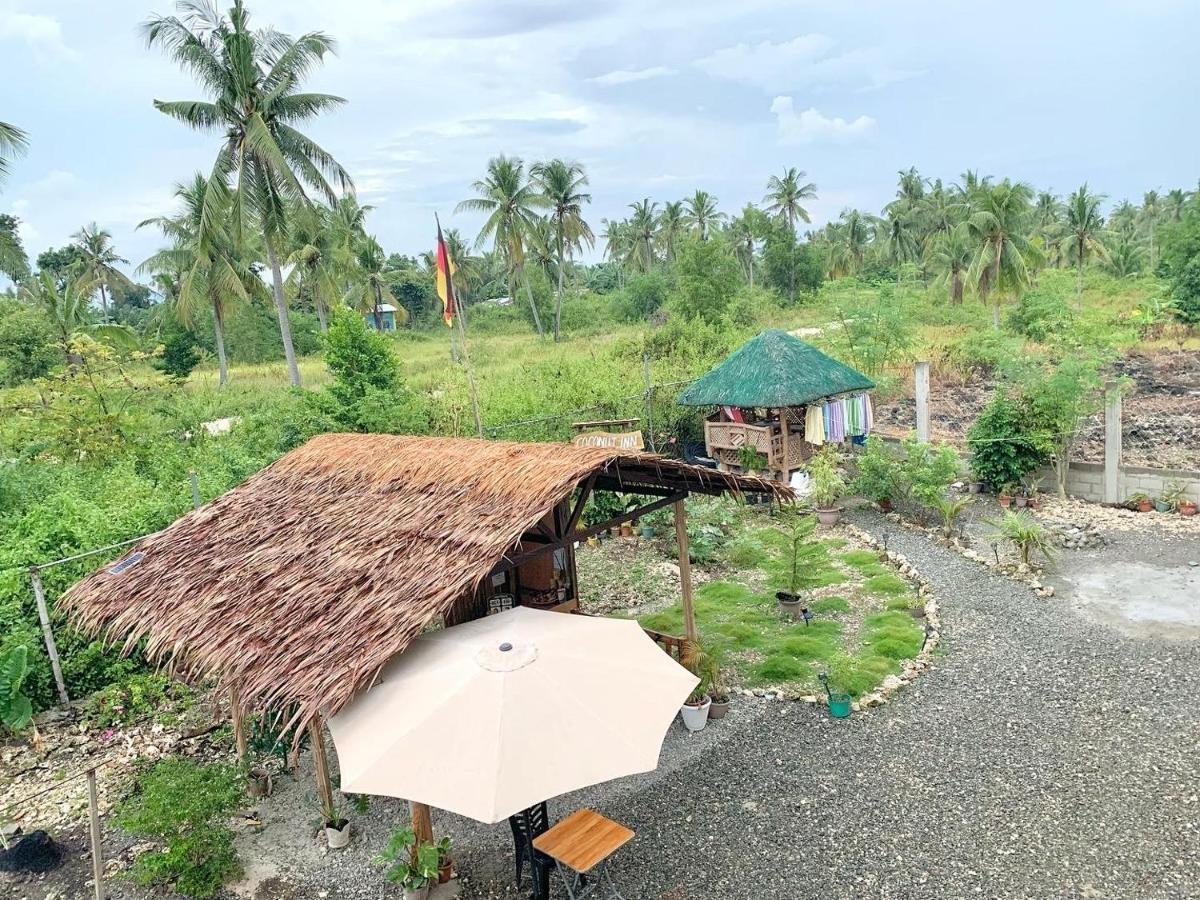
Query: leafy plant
{"type": "Point", "coordinates": [181, 804]}
{"type": "Point", "coordinates": [411, 865]}
{"type": "Point", "coordinates": [950, 508]}
{"type": "Point", "coordinates": [130, 699]}
{"type": "Point", "coordinates": [926, 471]}
{"type": "Point", "coordinates": [878, 475]}
{"type": "Point", "coordinates": [827, 483]}
{"type": "Point", "coordinates": [16, 709]}
{"type": "Point", "coordinates": [1025, 533]}
{"type": "Point", "coordinates": [751, 460]}
{"type": "Point", "coordinates": [801, 558]}
{"type": "Point", "coordinates": [713, 676]}
{"type": "Point", "coordinates": [1002, 443]}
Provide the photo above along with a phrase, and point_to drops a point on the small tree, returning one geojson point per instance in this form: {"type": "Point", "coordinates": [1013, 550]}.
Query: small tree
{"type": "Point", "coordinates": [878, 472]}
{"type": "Point", "coordinates": [1003, 447]}
{"type": "Point", "coordinates": [367, 390]}
{"type": "Point", "coordinates": [1058, 400]}
{"type": "Point", "coordinates": [926, 471]}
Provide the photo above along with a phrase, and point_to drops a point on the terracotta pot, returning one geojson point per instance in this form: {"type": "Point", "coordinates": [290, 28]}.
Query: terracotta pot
{"type": "Point", "coordinates": [626, 530]}
{"type": "Point", "coordinates": [718, 709]}
{"type": "Point", "coordinates": [445, 870]}
{"type": "Point", "coordinates": [1020, 501]}
{"type": "Point", "coordinates": [885, 505]}
{"type": "Point", "coordinates": [1187, 508]}
{"type": "Point", "coordinates": [1005, 500]}
{"type": "Point", "coordinates": [829, 517]}
{"type": "Point", "coordinates": [260, 783]}
{"type": "Point", "coordinates": [1145, 505]}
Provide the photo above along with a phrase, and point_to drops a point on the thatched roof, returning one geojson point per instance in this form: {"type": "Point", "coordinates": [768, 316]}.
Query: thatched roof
{"type": "Point", "coordinates": [774, 370]}
{"type": "Point", "coordinates": [298, 585]}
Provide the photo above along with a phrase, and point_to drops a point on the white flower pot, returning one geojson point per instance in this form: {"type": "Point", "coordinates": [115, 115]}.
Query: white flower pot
{"type": "Point", "coordinates": [337, 838]}
{"type": "Point", "coordinates": [696, 717]}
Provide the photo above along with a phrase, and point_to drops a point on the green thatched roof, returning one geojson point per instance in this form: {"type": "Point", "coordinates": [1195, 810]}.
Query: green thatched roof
{"type": "Point", "coordinates": [774, 370]}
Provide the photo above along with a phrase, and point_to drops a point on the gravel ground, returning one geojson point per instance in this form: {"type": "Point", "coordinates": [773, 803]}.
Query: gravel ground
{"type": "Point", "coordinates": [1046, 754]}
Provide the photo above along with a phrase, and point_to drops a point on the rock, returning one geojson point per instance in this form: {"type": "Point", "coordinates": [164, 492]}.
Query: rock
{"type": "Point", "coordinates": [892, 683]}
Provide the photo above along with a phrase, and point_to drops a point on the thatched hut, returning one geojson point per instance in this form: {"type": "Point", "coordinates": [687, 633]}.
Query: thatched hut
{"type": "Point", "coordinates": [763, 392]}
{"type": "Point", "coordinates": [294, 589]}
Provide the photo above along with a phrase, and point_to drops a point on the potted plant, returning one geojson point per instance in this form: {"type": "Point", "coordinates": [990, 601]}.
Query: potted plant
{"type": "Point", "coordinates": [1176, 498]}
{"type": "Point", "coordinates": [1187, 507]}
{"type": "Point", "coordinates": [1005, 497]}
{"type": "Point", "coordinates": [258, 781]}
{"type": "Point", "coordinates": [337, 827]}
{"type": "Point", "coordinates": [751, 461]}
{"type": "Point", "coordinates": [694, 711]}
{"type": "Point", "coordinates": [1140, 501]}
{"type": "Point", "coordinates": [878, 474]}
{"type": "Point", "coordinates": [716, 689]}
{"type": "Point", "coordinates": [1033, 484]}
{"type": "Point", "coordinates": [412, 865]}
{"type": "Point", "coordinates": [445, 861]}
{"type": "Point", "coordinates": [827, 485]}
{"type": "Point", "coordinates": [626, 529]}
{"type": "Point", "coordinates": [950, 508]}
{"type": "Point", "coordinates": [1162, 504]}
{"type": "Point", "coordinates": [797, 559]}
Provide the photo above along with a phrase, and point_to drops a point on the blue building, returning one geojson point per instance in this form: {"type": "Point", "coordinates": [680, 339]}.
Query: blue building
{"type": "Point", "coordinates": [387, 315]}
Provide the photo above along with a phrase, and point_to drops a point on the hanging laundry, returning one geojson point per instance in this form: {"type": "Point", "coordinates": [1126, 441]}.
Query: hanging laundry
{"type": "Point", "coordinates": [870, 413]}
{"type": "Point", "coordinates": [814, 425]}
{"type": "Point", "coordinates": [853, 419]}
{"type": "Point", "coordinates": [836, 433]}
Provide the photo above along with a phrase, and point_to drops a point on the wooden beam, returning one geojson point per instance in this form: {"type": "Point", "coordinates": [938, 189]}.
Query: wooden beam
{"type": "Point", "coordinates": [316, 737]}
{"type": "Point", "coordinates": [39, 596]}
{"type": "Point", "coordinates": [783, 421]}
{"type": "Point", "coordinates": [685, 570]}
{"type": "Point", "coordinates": [585, 491]}
{"type": "Point", "coordinates": [94, 832]}
{"type": "Point", "coordinates": [525, 556]}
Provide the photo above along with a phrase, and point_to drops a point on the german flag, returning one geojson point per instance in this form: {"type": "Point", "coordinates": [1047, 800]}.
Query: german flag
{"type": "Point", "coordinates": [445, 279]}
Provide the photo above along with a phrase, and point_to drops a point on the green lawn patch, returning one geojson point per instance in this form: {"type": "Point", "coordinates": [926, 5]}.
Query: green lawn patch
{"type": "Point", "coordinates": [865, 562]}
{"type": "Point", "coordinates": [886, 584]}
{"type": "Point", "coordinates": [831, 604]}
{"type": "Point", "coordinates": [856, 675]}
{"type": "Point", "coordinates": [894, 634]}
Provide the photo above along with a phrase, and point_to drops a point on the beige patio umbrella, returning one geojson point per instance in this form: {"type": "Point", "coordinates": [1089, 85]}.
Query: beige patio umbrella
{"type": "Point", "coordinates": [490, 717]}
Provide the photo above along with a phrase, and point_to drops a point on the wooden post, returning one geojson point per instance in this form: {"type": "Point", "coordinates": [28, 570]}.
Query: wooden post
{"type": "Point", "coordinates": [422, 822]}
{"type": "Point", "coordinates": [97, 850]}
{"type": "Point", "coordinates": [239, 722]}
{"type": "Point", "coordinates": [316, 737]}
{"type": "Point", "coordinates": [783, 422]}
{"type": "Point", "coordinates": [39, 595]}
{"type": "Point", "coordinates": [1112, 443]}
{"type": "Point", "coordinates": [649, 400]}
{"type": "Point", "coordinates": [685, 570]}
{"type": "Point", "coordinates": [194, 481]}
{"type": "Point", "coordinates": [921, 378]}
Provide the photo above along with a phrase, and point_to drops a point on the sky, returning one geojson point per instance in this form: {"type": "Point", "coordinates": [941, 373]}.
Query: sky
{"type": "Point", "coordinates": [655, 99]}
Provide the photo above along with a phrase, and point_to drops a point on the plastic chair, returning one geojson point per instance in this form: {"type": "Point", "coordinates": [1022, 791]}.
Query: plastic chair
{"type": "Point", "coordinates": [526, 825]}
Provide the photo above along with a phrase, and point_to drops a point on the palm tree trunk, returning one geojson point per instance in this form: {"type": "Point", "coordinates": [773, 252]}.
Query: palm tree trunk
{"type": "Point", "coordinates": [281, 311]}
{"type": "Point", "coordinates": [956, 287]}
{"type": "Point", "coordinates": [219, 339]}
{"type": "Point", "coordinates": [562, 268]}
{"type": "Point", "coordinates": [996, 285]}
{"type": "Point", "coordinates": [376, 312]}
{"type": "Point", "coordinates": [322, 313]}
{"type": "Point", "coordinates": [1079, 281]}
{"type": "Point", "coordinates": [103, 302]}
{"type": "Point", "coordinates": [537, 320]}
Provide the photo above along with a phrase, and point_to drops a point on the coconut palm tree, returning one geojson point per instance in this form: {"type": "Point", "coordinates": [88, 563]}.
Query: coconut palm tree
{"type": "Point", "coordinates": [785, 195]}
{"type": "Point", "coordinates": [68, 308]}
{"type": "Point", "coordinates": [1124, 252]}
{"type": "Point", "coordinates": [203, 269]}
{"type": "Point", "coordinates": [1083, 224]}
{"type": "Point", "coordinates": [562, 184]}
{"type": "Point", "coordinates": [745, 231]}
{"type": "Point", "coordinates": [99, 258]}
{"type": "Point", "coordinates": [1174, 203]}
{"type": "Point", "coordinates": [911, 188]}
{"type": "Point", "coordinates": [999, 229]}
{"type": "Point", "coordinates": [320, 265]}
{"type": "Point", "coordinates": [671, 226]}
{"type": "Point", "coordinates": [850, 237]}
{"type": "Point", "coordinates": [950, 253]}
{"type": "Point", "coordinates": [700, 213]}
{"type": "Point", "coordinates": [13, 143]}
{"type": "Point", "coordinates": [511, 204]}
{"type": "Point", "coordinates": [899, 233]}
{"type": "Point", "coordinates": [1150, 217]}
{"type": "Point", "coordinates": [265, 163]}
{"type": "Point", "coordinates": [643, 227]}
{"type": "Point", "coordinates": [370, 291]}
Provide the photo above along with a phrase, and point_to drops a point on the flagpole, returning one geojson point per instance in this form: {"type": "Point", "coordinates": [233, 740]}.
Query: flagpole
{"type": "Point", "coordinates": [456, 313]}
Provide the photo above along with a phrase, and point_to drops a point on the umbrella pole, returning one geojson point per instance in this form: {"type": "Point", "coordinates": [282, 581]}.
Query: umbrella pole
{"type": "Point", "coordinates": [685, 569]}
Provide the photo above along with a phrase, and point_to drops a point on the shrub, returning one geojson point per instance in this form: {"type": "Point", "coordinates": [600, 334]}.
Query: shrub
{"type": "Point", "coordinates": [926, 471]}
{"type": "Point", "coordinates": [27, 346]}
{"type": "Point", "coordinates": [827, 483]}
{"type": "Point", "coordinates": [367, 390]}
{"type": "Point", "coordinates": [1043, 313]}
{"type": "Point", "coordinates": [15, 708]}
{"type": "Point", "coordinates": [129, 699]}
{"type": "Point", "coordinates": [643, 296]}
{"type": "Point", "coordinates": [1002, 443]}
{"type": "Point", "coordinates": [708, 277]}
{"type": "Point", "coordinates": [180, 354]}
{"type": "Point", "coordinates": [181, 804]}
{"type": "Point", "coordinates": [1024, 532]}
{"type": "Point", "coordinates": [878, 475]}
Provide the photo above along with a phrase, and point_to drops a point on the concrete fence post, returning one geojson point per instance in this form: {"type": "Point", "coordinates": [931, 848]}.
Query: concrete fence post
{"type": "Point", "coordinates": [1112, 442]}
{"type": "Point", "coordinates": [921, 376]}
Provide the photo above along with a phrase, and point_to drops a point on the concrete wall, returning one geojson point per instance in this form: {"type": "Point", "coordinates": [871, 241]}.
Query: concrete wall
{"type": "Point", "coordinates": [1086, 481]}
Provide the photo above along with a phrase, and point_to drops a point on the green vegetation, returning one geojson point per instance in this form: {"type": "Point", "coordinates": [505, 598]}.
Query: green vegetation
{"type": "Point", "coordinates": [16, 709]}
{"type": "Point", "coordinates": [182, 805]}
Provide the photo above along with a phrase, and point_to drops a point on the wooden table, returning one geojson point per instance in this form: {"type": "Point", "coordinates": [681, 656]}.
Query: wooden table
{"type": "Point", "coordinates": [581, 842]}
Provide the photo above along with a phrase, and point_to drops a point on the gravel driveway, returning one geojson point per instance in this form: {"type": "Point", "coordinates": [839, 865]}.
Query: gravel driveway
{"type": "Point", "coordinates": [1046, 754]}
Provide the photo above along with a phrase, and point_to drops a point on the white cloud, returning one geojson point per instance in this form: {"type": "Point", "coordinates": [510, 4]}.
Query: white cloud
{"type": "Point", "coordinates": [804, 61]}
{"type": "Point", "coordinates": [42, 34]}
{"type": "Point", "coordinates": [812, 126]}
{"type": "Point", "coordinates": [627, 76]}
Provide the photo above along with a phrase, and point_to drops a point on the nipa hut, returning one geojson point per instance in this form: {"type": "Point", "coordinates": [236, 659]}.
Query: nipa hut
{"type": "Point", "coordinates": [295, 588]}
{"type": "Point", "coordinates": [781, 397]}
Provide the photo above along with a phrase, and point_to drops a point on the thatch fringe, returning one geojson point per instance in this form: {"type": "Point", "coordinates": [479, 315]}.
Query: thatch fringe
{"type": "Point", "coordinates": [298, 585]}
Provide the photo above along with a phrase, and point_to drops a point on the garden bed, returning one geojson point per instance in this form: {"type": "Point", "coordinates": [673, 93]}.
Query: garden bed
{"type": "Point", "coordinates": [866, 615]}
